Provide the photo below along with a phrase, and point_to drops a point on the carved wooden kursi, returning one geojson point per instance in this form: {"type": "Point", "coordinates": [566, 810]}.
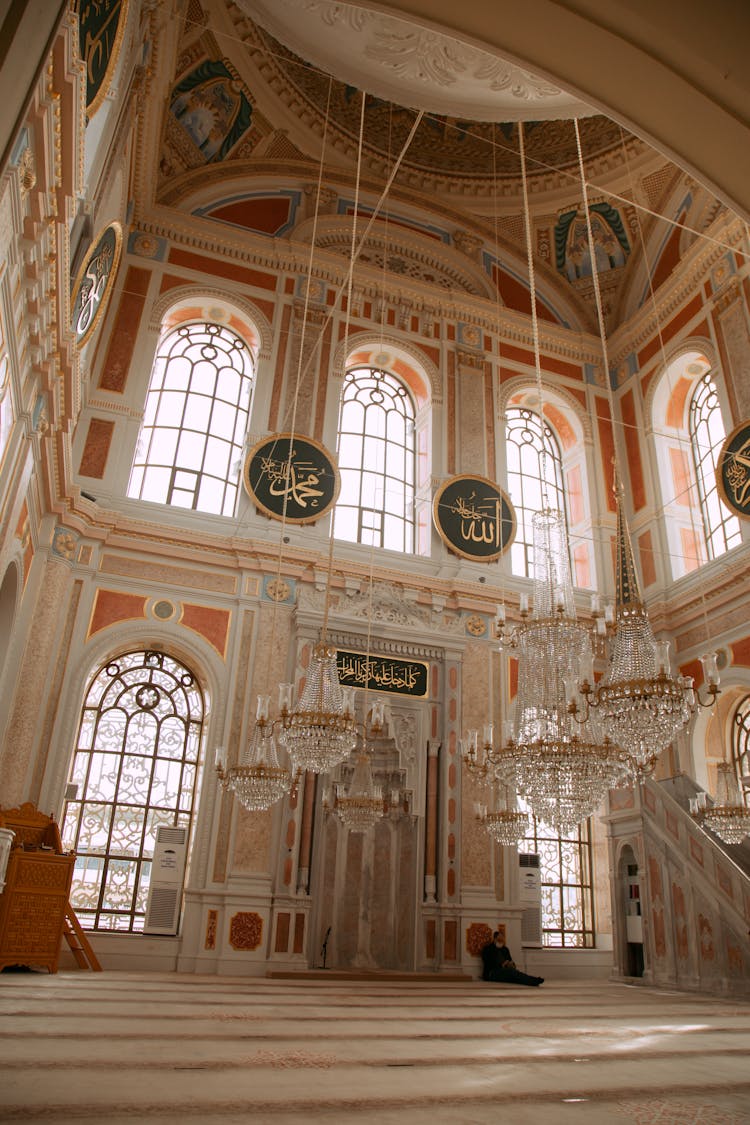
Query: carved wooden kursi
{"type": "Point", "coordinates": [37, 888]}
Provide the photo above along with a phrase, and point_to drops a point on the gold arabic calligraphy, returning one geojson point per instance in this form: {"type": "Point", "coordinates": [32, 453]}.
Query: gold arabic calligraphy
{"type": "Point", "coordinates": [297, 480]}
{"type": "Point", "coordinates": [93, 286]}
{"type": "Point", "coordinates": [477, 524]}
{"type": "Point", "coordinates": [386, 675]}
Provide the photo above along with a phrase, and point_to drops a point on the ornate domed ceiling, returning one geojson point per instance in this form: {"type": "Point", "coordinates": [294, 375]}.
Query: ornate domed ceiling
{"type": "Point", "coordinates": [404, 67]}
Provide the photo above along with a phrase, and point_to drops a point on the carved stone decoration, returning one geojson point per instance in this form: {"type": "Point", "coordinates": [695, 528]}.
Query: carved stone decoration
{"type": "Point", "coordinates": [27, 171]}
{"type": "Point", "coordinates": [405, 736]}
{"type": "Point", "coordinates": [245, 930]}
{"type": "Point", "coordinates": [477, 936]}
{"type": "Point", "coordinates": [393, 53]}
{"type": "Point", "coordinates": [211, 926]}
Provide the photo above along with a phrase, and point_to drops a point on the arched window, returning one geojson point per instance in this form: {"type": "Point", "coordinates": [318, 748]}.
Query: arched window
{"type": "Point", "coordinates": [6, 408]}
{"type": "Point", "coordinates": [134, 769]}
{"type": "Point", "coordinates": [535, 480]}
{"type": "Point", "coordinates": [376, 451]}
{"type": "Point", "coordinates": [567, 884]}
{"type": "Point", "coordinates": [190, 445]}
{"type": "Point", "coordinates": [741, 747]}
{"type": "Point", "coordinates": [707, 435]}
{"type": "Point", "coordinates": [689, 432]}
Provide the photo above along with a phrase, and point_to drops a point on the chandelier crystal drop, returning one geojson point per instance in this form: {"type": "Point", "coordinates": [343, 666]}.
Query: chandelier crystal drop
{"type": "Point", "coordinates": [321, 731]}
{"type": "Point", "coordinates": [258, 780]}
{"type": "Point", "coordinates": [362, 805]}
{"type": "Point", "coordinates": [562, 767]}
{"type": "Point", "coordinates": [728, 818]}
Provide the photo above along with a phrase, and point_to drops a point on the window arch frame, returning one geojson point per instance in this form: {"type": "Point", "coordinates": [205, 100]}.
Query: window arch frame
{"type": "Point", "coordinates": [179, 317]}
{"type": "Point", "coordinates": [181, 813]}
{"type": "Point", "coordinates": [357, 480]}
{"type": "Point", "coordinates": [515, 476]}
{"type": "Point", "coordinates": [683, 520]}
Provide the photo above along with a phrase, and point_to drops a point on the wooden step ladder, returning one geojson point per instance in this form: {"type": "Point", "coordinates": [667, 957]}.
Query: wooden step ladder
{"type": "Point", "coordinates": [78, 942]}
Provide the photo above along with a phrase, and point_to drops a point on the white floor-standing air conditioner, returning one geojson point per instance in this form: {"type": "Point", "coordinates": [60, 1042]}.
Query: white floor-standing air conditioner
{"type": "Point", "coordinates": [167, 874]}
{"type": "Point", "coordinates": [530, 895]}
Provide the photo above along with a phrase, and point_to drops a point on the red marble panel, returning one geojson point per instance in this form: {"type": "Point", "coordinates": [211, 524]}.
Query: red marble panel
{"type": "Point", "coordinates": [287, 879]}
{"type": "Point", "coordinates": [266, 214]}
{"type": "Point", "coordinates": [649, 800]}
{"type": "Point", "coordinates": [516, 295]}
{"type": "Point", "coordinates": [621, 799]}
{"type": "Point", "coordinates": [96, 448]}
{"type": "Point", "coordinates": [116, 366]}
{"type": "Point", "coordinates": [111, 606]}
{"type": "Point", "coordinates": [724, 881]}
{"type": "Point", "coordinates": [211, 925]}
{"type": "Point", "coordinates": [676, 407]}
{"type": "Point", "coordinates": [452, 775]}
{"type": "Point", "coordinates": [670, 255]}
{"type": "Point", "coordinates": [451, 883]}
{"type": "Point", "coordinates": [646, 555]}
{"type": "Point", "coordinates": [525, 356]}
{"type": "Point", "coordinates": [450, 939]}
{"type": "Point", "coordinates": [633, 446]}
{"type": "Point", "coordinates": [654, 877]}
{"type": "Point", "coordinates": [282, 932]}
{"type": "Point", "coordinates": [654, 346]}
{"type": "Point", "coordinates": [672, 824]}
{"type": "Point", "coordinates": [451, 812]}
{"type": "Point", "coordinates": [299, 933]}
{"type": "Point", "coordinates": [430, 935]}
{"type": "Point", "coordinates": [607, 445]}
{"type": "Point", "coordinates": [478, 934]}
{"type": "Point", "coordinates": [221, 267]}
{"type": "Point", "coordinates": [696, 851]}
{"type": "Point", "coordinates": [291, 832]}
{"type": "Point", "coordinates": [741, 652]}
{"type": "Point", "coordinates": [213, 624]}
{"type": "Point", "coordinates": [660, 941]}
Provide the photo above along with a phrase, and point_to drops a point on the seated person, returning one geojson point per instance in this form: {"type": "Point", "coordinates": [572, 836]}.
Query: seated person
{"type": "Point", "coordinates": [498, 965]}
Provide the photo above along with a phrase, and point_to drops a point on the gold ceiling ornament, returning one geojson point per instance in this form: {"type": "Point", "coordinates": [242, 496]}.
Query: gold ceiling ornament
{"type": "Point", "coordinates": [729, 817]}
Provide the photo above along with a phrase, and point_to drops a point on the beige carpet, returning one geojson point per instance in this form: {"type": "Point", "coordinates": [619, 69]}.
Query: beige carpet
{"type": "Point", "coordinates": [112, 1047]}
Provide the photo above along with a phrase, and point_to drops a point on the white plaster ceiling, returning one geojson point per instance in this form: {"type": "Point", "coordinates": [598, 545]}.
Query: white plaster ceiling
{"type": "Point", "coordinates": [410, 64]}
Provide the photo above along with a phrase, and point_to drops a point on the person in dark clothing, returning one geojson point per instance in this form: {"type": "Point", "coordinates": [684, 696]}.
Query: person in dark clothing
{"type": "Point", "coordinates": [499, 966]}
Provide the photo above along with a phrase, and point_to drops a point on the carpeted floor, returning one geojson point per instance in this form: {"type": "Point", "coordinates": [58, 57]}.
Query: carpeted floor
{"type": "Point", "coordinates": [162, 1048]}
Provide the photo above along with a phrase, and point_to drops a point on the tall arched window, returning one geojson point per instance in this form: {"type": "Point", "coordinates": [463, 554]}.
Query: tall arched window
{"type": "Point", "coordinates": [567, 884]}
{"type": "Point", "coordinates": [741, 746]}
{"type": "Point", "coordinates": [376, 451]}
{"type": "Point", "coordinates": [190, 445]}
{"type": "Point", "coordinates": [707, 435]}
{"type": "Point", "coordinates": [6, 406]}
{"type": "Point", "coordinates": [535, 479]}
{"type": "Point", "coordinates": [134, 769]}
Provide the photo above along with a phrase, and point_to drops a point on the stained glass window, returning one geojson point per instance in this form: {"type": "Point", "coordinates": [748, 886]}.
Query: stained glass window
{"type": "Point", "coordinates": [376, 453]}
{"type": "Point", "coordinates": [707, 435]}
{"type": "Point", "coordinates": [134, 768]}
{"type": "Point", "coordinates": [535, 480]}
{"type": "Point", "coordinates": [741, 747]}
{"type": "Point", "coordinates": [189, 450]}
{"type": "Point", "coordinates": [566, 876]}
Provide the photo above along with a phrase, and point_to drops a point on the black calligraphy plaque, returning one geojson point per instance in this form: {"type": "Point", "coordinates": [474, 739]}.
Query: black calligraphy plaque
{"type": "Point", "coordinates": [93, 283]}
{"type": "Point", "coordinates": [101, 24]}
{"type": "Point", "coordinates": [382, 673]}
{"type": "Point", "coordinates": [733, 471]}
{"type": "Point", "coordinates": [291, 478]}
{"type": "Point", "coordinates": [474, 518]}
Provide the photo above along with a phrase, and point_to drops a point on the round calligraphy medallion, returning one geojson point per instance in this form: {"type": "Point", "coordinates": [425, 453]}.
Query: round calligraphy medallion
{"type": "Point", "coordinates": [93, 283]}
{"type": "Point", "coordinates": [474, 518]}
{"type": "Point", "coordinates": [733, 471]}
{"type": "Point", "coordinates": [101, 26]}
{"type": "Point", "coordinates": [291, 478]}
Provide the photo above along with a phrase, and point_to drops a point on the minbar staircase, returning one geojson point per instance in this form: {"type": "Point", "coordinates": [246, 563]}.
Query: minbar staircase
{"type": "Point", "coordinates": [679, 891]}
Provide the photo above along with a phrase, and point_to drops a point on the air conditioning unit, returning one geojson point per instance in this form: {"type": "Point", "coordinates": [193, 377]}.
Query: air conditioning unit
{"type": "Point", "coordinates": [167, 873]}
{"type": "Point", "coordinates": [530, 896]}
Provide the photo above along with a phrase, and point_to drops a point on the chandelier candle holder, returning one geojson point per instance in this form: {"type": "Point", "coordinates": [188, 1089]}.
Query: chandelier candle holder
{"type": "Point", "coordinates": [259, 780]}
{"type": "Point", "coordinates": [640, 705]}
{"type": "Point", "coordinates": [563, 768]}
{"type": "Point", "coordinates": [729, 817]}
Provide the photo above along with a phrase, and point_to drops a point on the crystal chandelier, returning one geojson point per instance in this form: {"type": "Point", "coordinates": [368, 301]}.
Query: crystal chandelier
{"type": "Point", "coordinates": [641, 706]}
{"type": "Point", "coordinates": [505, 824]}
{"type": "Point", "coordinates": [729, 817]}
{"type": "Point", "coordinates": [258, 780]}
{"type": "Point", "coordinates": [321, 731]}
{"type": "Point", "coordinates": [362, 805]}
{"type": "Point", "coordinates": [561, 767]}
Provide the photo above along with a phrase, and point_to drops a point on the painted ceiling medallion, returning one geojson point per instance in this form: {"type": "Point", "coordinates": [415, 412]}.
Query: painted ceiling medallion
{"type": "Point", "coordinates": [410, 64]}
